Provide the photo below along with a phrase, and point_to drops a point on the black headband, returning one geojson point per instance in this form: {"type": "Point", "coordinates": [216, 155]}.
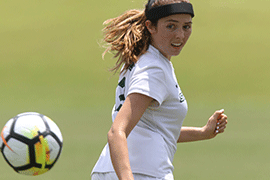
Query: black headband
{"type": "Point", "coordinates": [155, 13]}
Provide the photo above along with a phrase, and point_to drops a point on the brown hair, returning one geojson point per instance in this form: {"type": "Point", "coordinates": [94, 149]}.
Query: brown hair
{"type": "Point", "coordinates": [128, 36]}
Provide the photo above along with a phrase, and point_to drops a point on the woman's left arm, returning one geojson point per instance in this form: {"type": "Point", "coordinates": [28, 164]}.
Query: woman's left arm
{"type": "Point", "coordinates": [215, 125]}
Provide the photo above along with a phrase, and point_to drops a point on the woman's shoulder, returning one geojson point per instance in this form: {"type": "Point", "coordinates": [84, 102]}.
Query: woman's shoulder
{"type": "Point", "coordinates": [148, 66]}
{"type": "Point", "coordinates": [149, 59]}
{"type": "Point", "coordinates": [151, 62]}
{"type": "Point", "coordinates": [148, 63]}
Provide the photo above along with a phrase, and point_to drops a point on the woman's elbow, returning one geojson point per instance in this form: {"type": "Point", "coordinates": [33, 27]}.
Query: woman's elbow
{"type": "Point", "coordinates": [110, 135]}
{"type": "Point", "coordinates": [114, 135]}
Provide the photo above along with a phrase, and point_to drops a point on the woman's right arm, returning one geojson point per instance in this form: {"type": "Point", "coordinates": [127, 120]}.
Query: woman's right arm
{"type": "Point", "coordinates": [126, 119]}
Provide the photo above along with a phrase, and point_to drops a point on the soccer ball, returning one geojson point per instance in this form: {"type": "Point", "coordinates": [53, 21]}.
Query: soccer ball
{"type": "Point", "coordinates": [31, 143]}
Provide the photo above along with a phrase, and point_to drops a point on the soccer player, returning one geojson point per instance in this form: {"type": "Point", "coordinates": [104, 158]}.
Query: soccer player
{"type": "Point", "coordinates": [149, 104]}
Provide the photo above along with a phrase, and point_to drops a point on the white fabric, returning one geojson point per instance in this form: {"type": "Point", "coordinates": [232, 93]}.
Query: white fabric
{"type": "Point", "coordinates": [113, 176]}
{"type": "Point", "coordinates": [152, 143]}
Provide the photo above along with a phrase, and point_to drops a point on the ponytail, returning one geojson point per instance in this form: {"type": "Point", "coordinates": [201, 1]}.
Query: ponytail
{"type": "Point", "coordinates": [128, 37]}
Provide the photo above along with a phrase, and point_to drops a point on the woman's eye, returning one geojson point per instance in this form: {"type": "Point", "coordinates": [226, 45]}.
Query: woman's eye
{"type": "Point", "coordinates": [171, 26]}
{"type": "Point", "coordinates": [187, 27]}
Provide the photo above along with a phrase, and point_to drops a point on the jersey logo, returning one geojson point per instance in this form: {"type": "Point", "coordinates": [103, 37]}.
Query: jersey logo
{"type": "Point", "coordinates": [181, 97]}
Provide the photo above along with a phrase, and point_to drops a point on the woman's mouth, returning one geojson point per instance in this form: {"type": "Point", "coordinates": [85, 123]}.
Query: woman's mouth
{"type": "Point", "coordinates": [176, 44]}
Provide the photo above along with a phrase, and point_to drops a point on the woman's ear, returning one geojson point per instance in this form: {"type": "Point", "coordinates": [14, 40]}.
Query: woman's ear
{"type": "Point", "coordinates": [150, 27]}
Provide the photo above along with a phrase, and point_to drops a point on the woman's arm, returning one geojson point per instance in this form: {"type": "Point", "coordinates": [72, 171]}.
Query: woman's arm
{"type": "Point", "coordinates": [126, 119]}
{"type": "Point", "coordinates": [215, 125]}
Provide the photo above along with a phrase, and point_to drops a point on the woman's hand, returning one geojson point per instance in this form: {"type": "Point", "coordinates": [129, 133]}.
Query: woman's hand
{"type": "Point", "coordinates": [215, 125]}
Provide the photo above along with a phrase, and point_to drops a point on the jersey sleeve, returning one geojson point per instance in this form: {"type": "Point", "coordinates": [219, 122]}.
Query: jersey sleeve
{"type": "Point", "coordinates": [149, 81]}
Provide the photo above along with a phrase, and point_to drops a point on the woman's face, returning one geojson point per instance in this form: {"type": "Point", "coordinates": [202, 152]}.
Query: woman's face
{"type": "Point", "coordinates": [171, 33]}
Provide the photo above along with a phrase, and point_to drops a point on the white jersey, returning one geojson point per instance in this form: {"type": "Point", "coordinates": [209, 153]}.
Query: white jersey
{"type": "Point", "coordinates": [152, 143]}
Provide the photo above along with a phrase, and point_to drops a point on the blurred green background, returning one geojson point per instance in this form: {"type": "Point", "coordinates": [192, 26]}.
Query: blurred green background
{"type": "Point", "coordinates": [50, 62]}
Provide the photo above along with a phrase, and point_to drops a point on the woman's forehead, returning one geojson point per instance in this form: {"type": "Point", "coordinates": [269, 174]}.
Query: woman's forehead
{"type": "Point", "coordinates": [180, 18]}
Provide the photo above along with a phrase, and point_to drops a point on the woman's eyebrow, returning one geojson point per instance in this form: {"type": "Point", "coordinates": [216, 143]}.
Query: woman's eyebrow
{"type": "Point", "coordinates": [171, 20]}
{"type": "Point", "coordinates": [176, 21]}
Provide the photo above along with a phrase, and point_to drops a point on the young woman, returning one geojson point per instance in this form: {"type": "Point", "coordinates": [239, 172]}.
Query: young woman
{"type": "Point", "coordinates": [150, 106]}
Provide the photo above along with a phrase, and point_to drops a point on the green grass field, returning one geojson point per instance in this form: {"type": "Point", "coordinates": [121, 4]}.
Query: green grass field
{"type": "Point", "coordinates": [50, 62]}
